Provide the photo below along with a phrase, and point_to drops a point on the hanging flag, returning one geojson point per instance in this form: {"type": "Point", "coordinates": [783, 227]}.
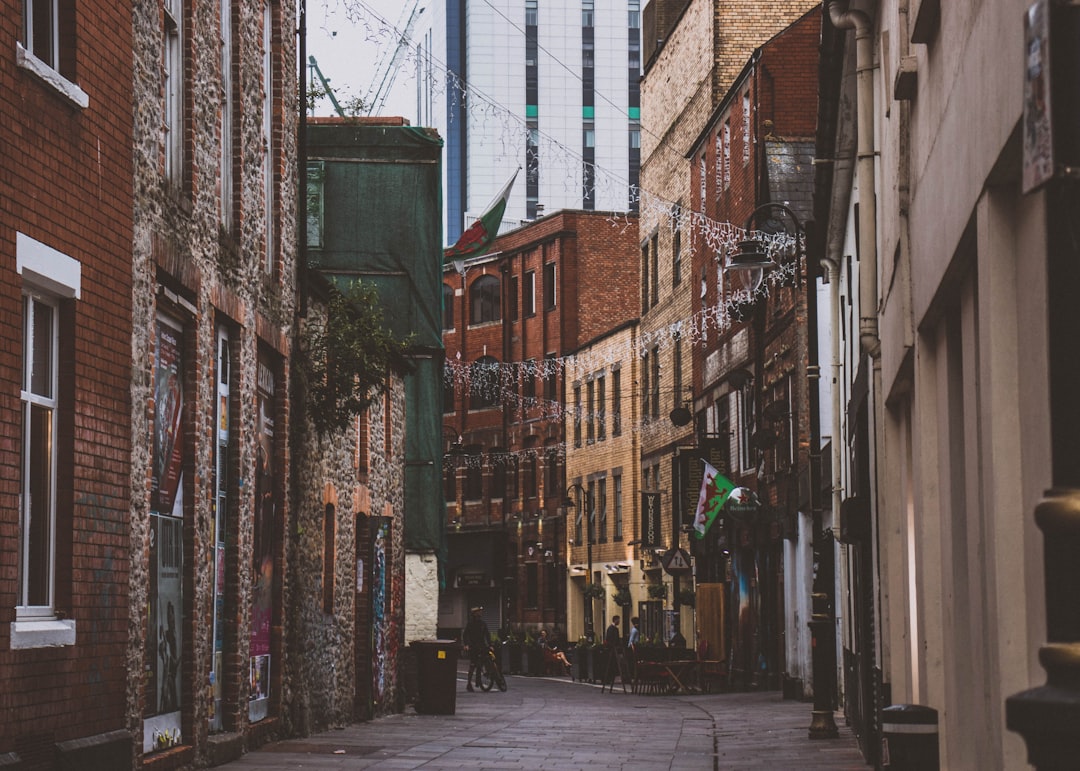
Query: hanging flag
{"type": "Point", "coordinates": [478, 238]}
{"type": "Point", "coordinates": [715, 490]}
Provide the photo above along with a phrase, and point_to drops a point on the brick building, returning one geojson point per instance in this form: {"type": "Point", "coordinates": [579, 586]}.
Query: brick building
{"type": "Point", "coordinates": [510, 319]}
{"type": "Point", "coordinates": [702, 51]}
{"type": "Point", "coordinates": [65, 365]}
{"type": "Point", "coordinates": [602, 437]}
{"type": "Point", "coordinates": [751, 394]}
{"type": "Point", "coordinates": [214, 286]}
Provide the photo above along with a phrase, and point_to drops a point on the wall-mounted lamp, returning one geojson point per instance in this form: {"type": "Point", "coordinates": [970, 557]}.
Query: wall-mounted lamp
{"type": "Point", "coordinates": [751, 254]}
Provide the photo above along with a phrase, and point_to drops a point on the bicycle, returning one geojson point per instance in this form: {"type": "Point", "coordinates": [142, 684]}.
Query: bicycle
{"type": "Point", "coordinates": [489, 673]}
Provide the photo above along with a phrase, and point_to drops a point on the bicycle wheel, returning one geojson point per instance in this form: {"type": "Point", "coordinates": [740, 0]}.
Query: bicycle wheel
{"type": "Point", "coordinates": [500, 680]}
{"type": "Point", "coordinates": [487, 679]}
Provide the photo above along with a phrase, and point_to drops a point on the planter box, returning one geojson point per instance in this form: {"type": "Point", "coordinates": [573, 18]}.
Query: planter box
{"type": "Point", "coordinates": [513, 658]}
{"type": "Point", "coordinates": [534, 660]}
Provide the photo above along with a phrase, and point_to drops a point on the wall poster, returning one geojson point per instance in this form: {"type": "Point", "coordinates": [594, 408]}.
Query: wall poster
{"type": "Point", "coordinates": [262, 610]}
{"type": "Point", "coordinates": [165, 611]}
{"type": "Point", "coordinates": [221, 507]}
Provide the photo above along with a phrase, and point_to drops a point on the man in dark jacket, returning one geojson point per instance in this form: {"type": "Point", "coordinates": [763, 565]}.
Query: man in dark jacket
{"type": "Point", "coordinates": [476, 639]}
{"type": "Point", "coordinates": [611, 636]}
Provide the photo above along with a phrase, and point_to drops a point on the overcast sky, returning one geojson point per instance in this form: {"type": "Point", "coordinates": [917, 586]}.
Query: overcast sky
{"type": "Point", "coordinates": [347, 53]}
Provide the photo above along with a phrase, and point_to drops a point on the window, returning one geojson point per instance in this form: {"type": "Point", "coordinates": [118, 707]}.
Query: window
{"type": "Point", "coordinates": [483, 383]}
{"type": "Point", "coordinates": [38, 489]}
{"type": "Point", "coordinates": [588, 135]}
{"type": "Point", "coordinates": [746, 128]}
{"type": "Point", "coordinates": [511, 477]}
{"type": "Point", "coordinates": [474, 475]}
{"type": "Point", "coordinates": [530, 13]}
{"type": "Point", "coordinates": [173, 74]}
{"type": "Point", "coordinates": [601, 403]}
{"type": "Point", "coordinates": [447, 307]}
{"type": "Point", "coordinates": [363, 444]}
{"type": "Point", "coordinates": [226, 158]}
{"type": "Point", "coordinates": [497, 458]}
{"type": "Point", "coordinates": [552, 481]}
{"type": "Point", "coordinates": [645, 277]}
{"type": "Point", "coordinates": [702, 174]}
{"type": "Point", "coordinates": [512, 300]}
{"type": "Point", "coordinates": [656, 382]}
{"type": "Point", "coordinates": [47, 46]}
{"type": "Point", "coordinates": [633, 20]}
{"type": "Point", "coordinates": [616, 402]}
{"type": "Point", "coordinates": [551, 381]}
{"type": "Point", "coordinates": [635, 137]}
{"type": "Point", "coordinates": [590, 525]}
{"type": "Point", "coordinates": [727, 154]}
{"type": "Point", "coordinates": [586, 13]}
{"type": "Point", "coordinates": [676, 245]}
{"type": "Point", "coordinates": [601, 510]}
{"type": "Point", "coordinates": [449, 391]}
{"type": "Point", "coordinates": [577, 415]}
{"type": "Point", "coordinates": [676, 369]}
{"type": "Point", "coordinates": [616, 484]}
{"type": "Point", "coordinates": [528, 300]}
{"type": "Point", "coordinates": [588, 58]}
{"type": "Point", "coordinates": [719, 142]}
{"type": "Point", "coordinates": [746, 426]}
{"type": "Point", "coordinates": [655, 253]}
{"type": "Point", "coordinates": [590, 408]}
{"type": "Point", "coordinates": [450, 484]}
{"type": "Point", "coordinates": [549, 285]}
{"type": "Point", "coordinates": [645, 388]}
{"type": "Point", "coordinates": [528, 377]}
{"type": "Point", "coordinates": [268, 135]}
{"type": "Point", "coordinates": [484, 300]}
{"type": "Point", "coordinates": [579, 536]}
{"type": "Point", "coordinates": [529, 483]}
{"type": "Point", "coordinates": [44, 319]}
{"type": "Point", "coordinates": [532, 593]}
{"type": "Point", "coordinates": [723, 430]}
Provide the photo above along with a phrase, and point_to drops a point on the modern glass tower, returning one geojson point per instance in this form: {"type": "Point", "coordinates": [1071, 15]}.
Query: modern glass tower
{"type": "Point", "coordinates": [547, 85]}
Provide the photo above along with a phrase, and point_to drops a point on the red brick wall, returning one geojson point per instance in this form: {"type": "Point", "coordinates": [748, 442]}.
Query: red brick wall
{"type": "Point", "coordinates": [66, 181]}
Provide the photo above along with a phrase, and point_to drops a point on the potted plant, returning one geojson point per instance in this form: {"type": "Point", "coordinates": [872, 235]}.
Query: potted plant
{"type": "Point", "coordinates": [687, 597]}
{"type": "Point", "coordinates": [622, 598]}
{"type": "Point", "coordinates": [593, 591]}
{"type": "Point", "coordinates": [658, 591]}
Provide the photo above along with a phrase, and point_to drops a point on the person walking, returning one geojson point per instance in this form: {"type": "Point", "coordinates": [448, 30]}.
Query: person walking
{"type": "Point", "coordinates": [635, 632]}
{"type": "Point", "coordinates": [611, 636]}
{"type": "Point", "coordinates": [477, 639]}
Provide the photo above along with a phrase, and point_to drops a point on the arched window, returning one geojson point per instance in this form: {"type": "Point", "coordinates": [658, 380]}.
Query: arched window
{"type": "Point", "coordinates": [484, 383]}
{"type": "Point", "coordinates": [447, 307]}
{"type": "Point", "coordinates": [484, 300]}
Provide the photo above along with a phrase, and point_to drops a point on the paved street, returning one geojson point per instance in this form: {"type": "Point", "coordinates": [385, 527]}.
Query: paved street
{"type": "Point", "coordinates": [549, 723]}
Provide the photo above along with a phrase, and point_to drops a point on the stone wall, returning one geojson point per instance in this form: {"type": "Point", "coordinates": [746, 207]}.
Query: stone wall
{"type": "Point", "coordinates": [205, 274]}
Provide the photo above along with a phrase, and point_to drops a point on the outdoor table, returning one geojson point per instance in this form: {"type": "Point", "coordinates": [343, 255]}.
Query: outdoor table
{"type": "Point", "coordinates": [681, 673]}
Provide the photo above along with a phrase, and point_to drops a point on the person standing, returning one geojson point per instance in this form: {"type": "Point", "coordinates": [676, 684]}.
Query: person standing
{"type": "Point", "coordinates": [477, 639]}
{"type": "Point", "coordinates": [611, 637]}
{"type": "Point", "coordinates": [635, 632]}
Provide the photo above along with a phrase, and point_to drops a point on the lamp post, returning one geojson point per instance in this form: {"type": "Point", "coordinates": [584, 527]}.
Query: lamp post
{"type": "Point", "coordinates": [583, 494]}
{"type": "Point", "coordinates": [752, 256]}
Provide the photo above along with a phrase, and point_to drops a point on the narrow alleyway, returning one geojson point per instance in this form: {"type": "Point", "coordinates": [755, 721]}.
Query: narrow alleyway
{"type": "Point", "coordinates": [548, 723]}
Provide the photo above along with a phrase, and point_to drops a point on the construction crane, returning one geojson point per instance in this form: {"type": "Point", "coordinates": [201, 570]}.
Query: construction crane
{"type": "Point", "coordinates": [314, 65]}
{"type": "Point", "coordinates": [387, 66]}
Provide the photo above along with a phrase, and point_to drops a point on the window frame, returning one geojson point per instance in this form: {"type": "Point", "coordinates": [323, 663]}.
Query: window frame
{"type": "Point", "coordinates": [485, 300]}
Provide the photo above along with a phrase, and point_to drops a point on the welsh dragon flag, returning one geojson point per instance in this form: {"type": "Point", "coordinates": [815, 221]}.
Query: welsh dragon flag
{"type": "Point", "coordinates": [715, 490]}
{"type": "Point", "coordinates": [477, 239]}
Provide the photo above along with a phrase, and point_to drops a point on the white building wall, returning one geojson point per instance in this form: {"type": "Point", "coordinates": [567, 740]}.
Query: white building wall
{"type": "Point", "coordinates": [421, 596]}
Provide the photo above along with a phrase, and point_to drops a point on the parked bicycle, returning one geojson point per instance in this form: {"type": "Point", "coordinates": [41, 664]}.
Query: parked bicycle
{"type": "Point", "coordinates": [490, 674]}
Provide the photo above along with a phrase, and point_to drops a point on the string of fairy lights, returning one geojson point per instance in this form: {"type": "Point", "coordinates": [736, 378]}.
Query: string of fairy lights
{"type": "Point", "coordinates": [505, 134]}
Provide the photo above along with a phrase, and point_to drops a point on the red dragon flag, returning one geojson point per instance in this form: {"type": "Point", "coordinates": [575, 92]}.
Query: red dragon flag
{"type": "Point", "coordinates": [478, 238]}
{"type": "Point", "coordinates": [715, 490]}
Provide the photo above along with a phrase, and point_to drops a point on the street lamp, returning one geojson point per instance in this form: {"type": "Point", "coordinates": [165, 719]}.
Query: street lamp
{"type": "Point", "coordinates": [752, 256]}
{"type": "Point", "coordinates": [583, 494]}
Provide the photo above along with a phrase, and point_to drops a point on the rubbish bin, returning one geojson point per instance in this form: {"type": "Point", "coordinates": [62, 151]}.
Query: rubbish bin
{"type": "Point", "coordinates": [436, 676]}
{"type": "Point", "coordinates": [909, 738]}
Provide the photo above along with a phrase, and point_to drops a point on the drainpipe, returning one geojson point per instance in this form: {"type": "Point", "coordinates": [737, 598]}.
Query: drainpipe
{"type": "Point", "coordinates": [864, 68]}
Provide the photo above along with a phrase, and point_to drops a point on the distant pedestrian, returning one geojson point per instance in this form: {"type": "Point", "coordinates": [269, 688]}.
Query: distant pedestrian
{"type": "Point", "coordinates": [635, 632]}
{"type": "Point", "coordinates": [477, 639]}
{"type": "Point", "coordinates": [611, 637]}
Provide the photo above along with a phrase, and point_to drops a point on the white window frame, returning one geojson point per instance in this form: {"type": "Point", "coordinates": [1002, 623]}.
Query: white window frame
{"type": "Point", "coordinates": [746, 128]}
{"type": "Point", "coordinates": [267, 129]}
{"type": "Point", "coordinates": [48, 276]}
{"type": "Point", "coordinates": [727, 154]}
{"type": "Point", "coordinates": [226, 29]}
{"type": "Point", "coordinates": [45, 65]}
{"type": "Point", "coordinates": [172, 73]}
